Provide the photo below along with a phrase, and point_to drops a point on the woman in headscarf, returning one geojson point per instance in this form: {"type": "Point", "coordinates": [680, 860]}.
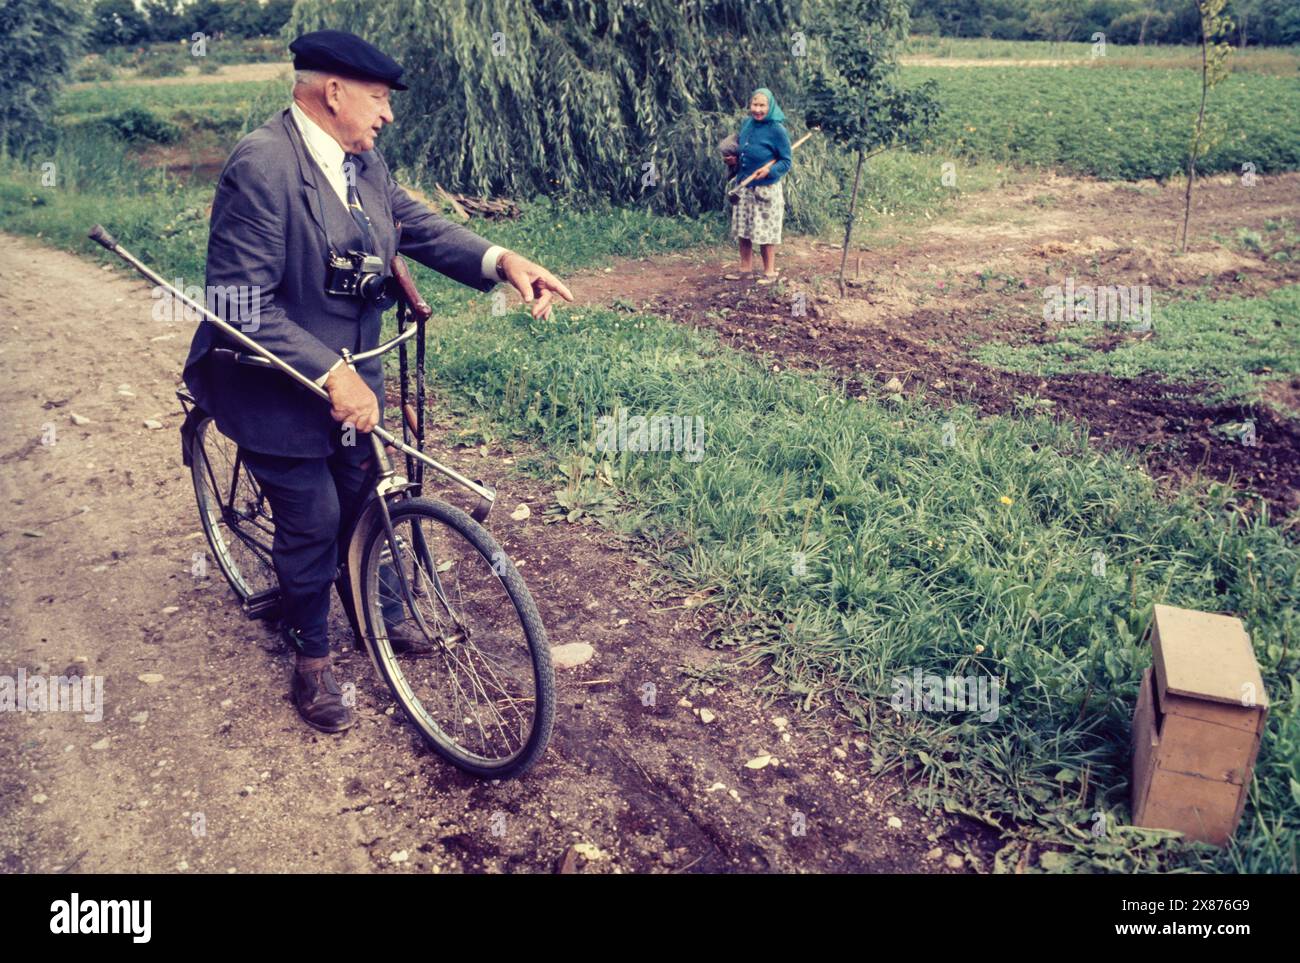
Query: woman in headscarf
{"type": "Point", "coordinates": [765, 148]}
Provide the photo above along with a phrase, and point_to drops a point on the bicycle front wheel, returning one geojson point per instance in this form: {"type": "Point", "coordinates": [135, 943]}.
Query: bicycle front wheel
{"type": "Point", "coordinates": [484, 695]}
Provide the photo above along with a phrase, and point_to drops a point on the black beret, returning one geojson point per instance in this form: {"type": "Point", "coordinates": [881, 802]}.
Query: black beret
{"type": "Point", "coordinates": [339, 52]}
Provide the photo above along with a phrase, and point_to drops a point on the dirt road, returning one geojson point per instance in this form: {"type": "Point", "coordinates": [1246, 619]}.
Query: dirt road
{"type": "Point", "coordinates": [201, 764]}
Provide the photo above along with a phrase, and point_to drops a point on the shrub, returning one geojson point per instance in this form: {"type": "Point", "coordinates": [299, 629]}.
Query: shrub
{"type": "Point", "coordinates": [93, 69]}
{"type": "Point", "coordinates": [138, 125]}
{"type": "Point", "coordinates": [162, 67]}
{"type": "Point", "coordinates": [41, 41]}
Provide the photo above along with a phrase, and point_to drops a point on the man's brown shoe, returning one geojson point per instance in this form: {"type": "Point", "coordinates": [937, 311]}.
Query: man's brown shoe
{"type": "Point", "coordinates": [318, 697]}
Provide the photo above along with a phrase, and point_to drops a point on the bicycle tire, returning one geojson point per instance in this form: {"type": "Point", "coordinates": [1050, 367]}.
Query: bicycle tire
{"type": "Point", "coordinates": [394, 668]}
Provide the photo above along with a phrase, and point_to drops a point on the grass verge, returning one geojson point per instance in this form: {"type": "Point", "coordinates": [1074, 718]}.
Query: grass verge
{"type": "Point", "coordinates": [850, 545]}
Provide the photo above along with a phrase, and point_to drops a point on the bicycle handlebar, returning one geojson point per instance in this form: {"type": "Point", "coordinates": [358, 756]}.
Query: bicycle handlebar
{"type": "Point", "coordinates": [406, 284]}
{"type": "Point", "coordinates": [259, 361]}
{"type": "Point", "coordinates": [375, 352]}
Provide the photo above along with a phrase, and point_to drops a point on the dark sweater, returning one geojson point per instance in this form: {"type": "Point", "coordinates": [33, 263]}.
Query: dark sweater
{"type": "Point", "coordinates": [759, 143]}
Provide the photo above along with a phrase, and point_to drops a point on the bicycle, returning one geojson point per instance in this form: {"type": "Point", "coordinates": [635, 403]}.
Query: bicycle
{"type": "Point", "coordinates": [425, 558]}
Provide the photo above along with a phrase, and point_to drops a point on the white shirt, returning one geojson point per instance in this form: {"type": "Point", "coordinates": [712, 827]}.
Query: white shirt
{"type": "Point", "coordinates": [329, 156]}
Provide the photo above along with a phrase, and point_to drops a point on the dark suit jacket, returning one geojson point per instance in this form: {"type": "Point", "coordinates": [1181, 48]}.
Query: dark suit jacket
{"type": "Point", "coordinates": [270, 218]}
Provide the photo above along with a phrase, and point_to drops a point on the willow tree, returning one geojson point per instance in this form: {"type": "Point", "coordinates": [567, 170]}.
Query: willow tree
{"type": "Point", "coordinates": [39, 43]}
{"type": "Point", "coordinates": [855, 96]}
{"type": "Point", "coordinates": [622, 99]}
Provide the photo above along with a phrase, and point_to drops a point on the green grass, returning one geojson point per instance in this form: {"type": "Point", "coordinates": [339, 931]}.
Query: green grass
{"type": "Point", "coordinates": [160, 222]}
{"type": "Point", "coordinates": [232, 98]}
{"type": "Point", "coordinates": [913, 560]}
{"type": "Point", "coordinates": [166, 224]}
{"type": "Point", "coordinates": [894, 184]}
{"type": "Point", "coordinates": [565, 239]}
{"type": "Point", "coordinates": [1284, 61]}
{"type": "Point", "coordinates": [1133, 125]}
{"type": "Point", "coordinates": [1236, 344]}
{"type": "Point", "coordinates": [1279, 240]}
{"type": "Point", "coordinates": [902, 187]}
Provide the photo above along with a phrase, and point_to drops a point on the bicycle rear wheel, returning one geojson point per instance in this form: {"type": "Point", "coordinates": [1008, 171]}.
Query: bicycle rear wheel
{"type": "Point", "coordinates": [484, 699]}
{"type": "Point", "coordinates": [236, 518]}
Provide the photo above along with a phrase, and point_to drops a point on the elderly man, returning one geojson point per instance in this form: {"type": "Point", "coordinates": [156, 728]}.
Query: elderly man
{"type": "Point", "coordinates": [306, 187]}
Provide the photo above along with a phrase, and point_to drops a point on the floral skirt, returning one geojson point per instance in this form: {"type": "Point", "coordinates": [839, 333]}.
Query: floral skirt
{"type": "Point", "coordinates": [759, 214]}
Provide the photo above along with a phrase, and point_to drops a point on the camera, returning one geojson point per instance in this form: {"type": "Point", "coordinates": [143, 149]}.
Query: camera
{"type": "Point", "coordinates": [355, 275]}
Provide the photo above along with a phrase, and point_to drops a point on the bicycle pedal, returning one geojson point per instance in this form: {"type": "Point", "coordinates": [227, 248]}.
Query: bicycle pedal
{"type": "Point", "coordinates": [263, 605]}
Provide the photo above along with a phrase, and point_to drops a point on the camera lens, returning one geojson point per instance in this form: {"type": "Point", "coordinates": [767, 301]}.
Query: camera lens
{"type": "Point", "coordinates": [370, 286]}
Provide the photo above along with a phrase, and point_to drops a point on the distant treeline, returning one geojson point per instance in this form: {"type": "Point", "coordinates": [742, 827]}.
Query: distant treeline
{"type": "Point", "coordinates": [1257, 22]}
{"type": "Point", "coordinates": [120, 22]}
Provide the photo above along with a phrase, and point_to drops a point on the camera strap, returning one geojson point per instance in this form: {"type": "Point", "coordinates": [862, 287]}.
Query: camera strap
{"type": "Point", "coordinates": [316, 188]}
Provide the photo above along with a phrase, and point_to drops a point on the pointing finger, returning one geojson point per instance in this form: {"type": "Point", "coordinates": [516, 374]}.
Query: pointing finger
{"type": "Point", "coordinates": [557, 285]}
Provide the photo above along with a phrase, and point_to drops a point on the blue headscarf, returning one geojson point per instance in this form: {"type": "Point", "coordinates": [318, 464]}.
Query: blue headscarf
{"type": "Point", "coordinates": [774, 111]}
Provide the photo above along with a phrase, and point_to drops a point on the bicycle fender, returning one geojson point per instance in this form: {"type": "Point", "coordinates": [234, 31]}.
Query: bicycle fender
{"type": "Point", "coordinates": [368, 520]}
{"type": "Point", "coordinates": [193, 415]}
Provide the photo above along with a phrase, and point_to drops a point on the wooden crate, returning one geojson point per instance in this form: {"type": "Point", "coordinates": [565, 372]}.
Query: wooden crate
{"type": "Point", "coordinates": [1196, 730]}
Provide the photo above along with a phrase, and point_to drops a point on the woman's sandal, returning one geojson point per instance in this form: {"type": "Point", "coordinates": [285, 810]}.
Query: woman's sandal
{"type": "Point", "coordinates": [769, 278]}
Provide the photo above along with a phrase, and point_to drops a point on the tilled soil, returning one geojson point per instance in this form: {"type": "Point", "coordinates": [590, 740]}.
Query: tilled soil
{"type": "Point", "coordinates": [921, 301]}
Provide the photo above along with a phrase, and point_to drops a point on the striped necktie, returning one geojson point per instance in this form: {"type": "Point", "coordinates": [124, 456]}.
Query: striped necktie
{"type": "Point", "coordinates": [350, 167]}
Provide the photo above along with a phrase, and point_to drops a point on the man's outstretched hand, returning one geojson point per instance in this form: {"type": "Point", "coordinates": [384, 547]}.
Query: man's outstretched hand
{"type": "Point", "coordinates": [535, 284]}
{"type": "Point", "coordinates": [351, 399]}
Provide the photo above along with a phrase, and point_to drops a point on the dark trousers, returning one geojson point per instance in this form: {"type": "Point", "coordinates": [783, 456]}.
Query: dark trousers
{"type": "Point", "coordinates": [314, 504]}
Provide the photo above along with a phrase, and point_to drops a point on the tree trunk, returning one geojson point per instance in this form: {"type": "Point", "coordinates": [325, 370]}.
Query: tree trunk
{"type": "Point", "coordinates": [848, 227]}
{"type": "Point", "coordinates": [1196, 137]}
{"type": "Point", "coordinates": [1142, 34]}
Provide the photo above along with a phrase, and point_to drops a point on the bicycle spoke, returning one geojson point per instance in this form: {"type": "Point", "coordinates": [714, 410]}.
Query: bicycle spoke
{"type": "Point", "coordinates": [234, 512]}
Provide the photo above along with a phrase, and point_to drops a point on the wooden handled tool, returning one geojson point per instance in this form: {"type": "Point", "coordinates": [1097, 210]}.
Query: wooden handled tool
{"type": "Point", "coordinates": [734, 194]}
